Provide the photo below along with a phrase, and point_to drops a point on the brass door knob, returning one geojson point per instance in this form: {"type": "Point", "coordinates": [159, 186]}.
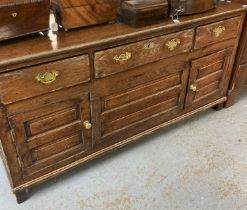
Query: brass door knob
{"type": "Point", "coordinates": [193, 88]}
{"type": "Point", "coordinates": [87, 124]}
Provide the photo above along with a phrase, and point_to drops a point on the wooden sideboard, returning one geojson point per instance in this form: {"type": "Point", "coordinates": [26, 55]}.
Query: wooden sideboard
{"type": "Point", "coordinates": [69, 98]}
{"type": "Point", "coordinates": [239, 78]}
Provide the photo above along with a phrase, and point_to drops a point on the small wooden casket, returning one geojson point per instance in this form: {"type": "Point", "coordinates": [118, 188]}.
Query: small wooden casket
{"type": "Point", "coordinates": [21, 17]}
{"type": "Point", "coordinates": [80, 13]}
{"type": "Point", "coordinates": [191, 6]}
{"type": "Point", "coordinates": [139, 13]}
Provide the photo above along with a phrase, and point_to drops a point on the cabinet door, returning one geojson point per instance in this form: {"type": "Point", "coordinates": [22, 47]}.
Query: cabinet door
{"type": "Point", "coordinates": [208, 78]}
{"type": "Point", "coordinates": [149, 96]}
{"type": "Point", "coordinates": [47, 136]}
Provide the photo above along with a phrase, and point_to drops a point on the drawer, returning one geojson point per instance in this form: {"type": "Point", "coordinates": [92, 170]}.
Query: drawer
{"type": "Point", "coordinates": [216, 32]}
{"type": "Point", "coordinates": [242, 78]}
{"type": "Point", "coordinates": [44, 78]}
{"type": "Point", "coordinates": [121, 58]}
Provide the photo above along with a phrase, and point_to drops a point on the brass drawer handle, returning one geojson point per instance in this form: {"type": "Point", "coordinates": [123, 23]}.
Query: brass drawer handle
{"type": "Point", "coordinates": [173, 44]}
{"type": "Point", "coordinates": [193, 88]}
{"type": "Point", "coordinates": [87, 125]}
{"type": "Point", "coordinates": [121, 59]}
{"type": "Point", "coordinates": [14, 14]}
{"type": "Point", "coordinates": [218, 30]}
{"type": "Point", "coordinates": [47, 77]}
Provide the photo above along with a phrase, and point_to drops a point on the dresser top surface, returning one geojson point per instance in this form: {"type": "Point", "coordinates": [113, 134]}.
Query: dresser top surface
{"type": "Point", "coordinates": [31, 47]}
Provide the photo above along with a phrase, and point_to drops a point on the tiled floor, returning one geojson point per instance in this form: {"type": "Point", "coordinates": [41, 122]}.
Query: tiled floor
{"type": "Point", "coordinates": [199, 164]}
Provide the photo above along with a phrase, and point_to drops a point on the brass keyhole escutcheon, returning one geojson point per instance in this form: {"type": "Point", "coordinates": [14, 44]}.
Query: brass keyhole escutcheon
{"type": "Point", "coordinates": [14, 14]}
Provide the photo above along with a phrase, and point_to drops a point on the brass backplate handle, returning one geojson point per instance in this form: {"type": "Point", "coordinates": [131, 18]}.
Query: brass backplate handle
{"type": "Point", "coordinates": [14, 14]}
{"type": "Point", "coordinates": [47, 77]}
{"type": "Point", "coordinates": [87, 125]}
{"type": "Point", "coordinates": [218, 30]}
{"type": "Point", "coordinates": [121, 59]}
{"type": "Point", "coordinates": [193, 87]}
{"type": "Point", "coordinates": [173, 44]}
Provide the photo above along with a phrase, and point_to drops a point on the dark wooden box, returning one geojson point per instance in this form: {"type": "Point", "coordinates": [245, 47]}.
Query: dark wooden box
{"type": "Point", "coordinates": [191, 6]}
{"type": "Point", "coordinates": [18, 18]}
{"type": "Point", "coordinates": [80, 13]}
{"type": "Point", "coordinates": [139, 13]}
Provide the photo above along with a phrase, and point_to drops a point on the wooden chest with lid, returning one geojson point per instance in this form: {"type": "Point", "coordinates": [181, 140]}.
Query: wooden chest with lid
{"type": "Point", "coordinates": [239, 78]}
{"type": "Point", "coordinates": [80, 13]}
{"type": "Point", "coordinates": [21, 17]}
{"type": "Point", "coordinates": [143, 12]}
{"type": "Point", "coordinates": [191, 6]}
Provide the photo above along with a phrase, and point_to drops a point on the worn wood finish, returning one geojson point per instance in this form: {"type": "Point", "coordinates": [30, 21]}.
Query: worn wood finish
{"type": "Point", "coordinates": [76, 13]}
{"type": "Point", "coordinates": [101, 103]}
{"type": "Point", "coordinates": [18, 18]}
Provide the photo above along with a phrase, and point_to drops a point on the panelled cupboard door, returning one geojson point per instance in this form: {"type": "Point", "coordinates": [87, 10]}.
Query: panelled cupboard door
{"type": "Point", "coordinates": [46, 136]}
{"type": "Point", "coordinates": [150, 96]}
{"type": "Point", "coordinates": [208, 81]}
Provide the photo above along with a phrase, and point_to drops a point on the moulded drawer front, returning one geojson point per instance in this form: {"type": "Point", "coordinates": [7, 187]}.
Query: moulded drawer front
{"type": "Point", "coordinates": [125, 57]}
{"type": "Point", "coordinates": [44, 78]}
{"type": "Point", "coordinates": [217, 32]}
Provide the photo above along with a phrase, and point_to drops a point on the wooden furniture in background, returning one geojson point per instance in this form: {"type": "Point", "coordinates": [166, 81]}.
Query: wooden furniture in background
{"type": "Point", "coordinates": [18, 18]}
{"type": "Point", "coordinates": [72, 97]}
{"type": "Point", "coordinates": [239, 79]}
{"type": "Point", "coordinates": [138, 13]}
{"type": "Point", "coordinates": [80, 13]}
{"type": "Point", "coordinates": [192, 6]}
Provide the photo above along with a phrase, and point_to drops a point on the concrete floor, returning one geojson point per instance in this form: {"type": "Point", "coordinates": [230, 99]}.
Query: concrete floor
{"type": "Point", "coordinates": [199, 164]}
